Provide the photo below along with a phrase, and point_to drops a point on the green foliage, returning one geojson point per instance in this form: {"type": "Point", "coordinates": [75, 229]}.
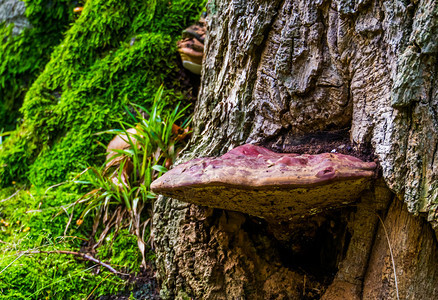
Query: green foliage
{"type": "Point", "coordinates": [116, 52]}
{"type": "Point", "coordinates": [122, 185]}
{"type": "Point", "coordinates": [24, 56]}
{"type": "Point", "coordinates": [121, 251]}
{"type": "Point", "coordinates": [28, 223]}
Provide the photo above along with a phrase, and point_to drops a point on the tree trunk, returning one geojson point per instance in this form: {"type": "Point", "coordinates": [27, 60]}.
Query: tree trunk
{"type": "Point", "coordinates": [297, 75]}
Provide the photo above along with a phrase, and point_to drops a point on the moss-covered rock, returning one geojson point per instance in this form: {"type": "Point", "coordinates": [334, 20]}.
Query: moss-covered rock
{"type": "Point", "coordinates": [28, 38]}
{"type": "Point", "coordinates": [116, 52]}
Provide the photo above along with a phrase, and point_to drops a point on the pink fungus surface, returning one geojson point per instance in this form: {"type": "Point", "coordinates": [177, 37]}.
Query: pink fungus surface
{"type": "Point", "coordinates": [275, 186]}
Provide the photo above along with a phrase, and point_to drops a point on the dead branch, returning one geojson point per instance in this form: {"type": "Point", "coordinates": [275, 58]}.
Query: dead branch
{"type": "Point", "coordinates": [83, 255]}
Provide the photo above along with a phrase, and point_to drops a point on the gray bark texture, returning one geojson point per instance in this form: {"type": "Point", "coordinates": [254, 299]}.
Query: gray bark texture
{"type": "Point", "coordinates": [276, 72]}
{"type": "Point", "coordinates": [13, 11]}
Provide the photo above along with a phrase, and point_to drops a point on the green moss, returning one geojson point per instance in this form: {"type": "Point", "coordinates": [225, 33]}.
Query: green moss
{"type": "Point", "coordinates": [30, 223]}
{"type": "Point", "coordinates": [117, 51]}
{"type": "Point", "coordinates": [58, 278]}
{"type": "Point", "coordinates": [24, 56]}
{"type": "Point", "coordinates": [35, 220]}
{"type": "Point", "coordinates": [122, 251]}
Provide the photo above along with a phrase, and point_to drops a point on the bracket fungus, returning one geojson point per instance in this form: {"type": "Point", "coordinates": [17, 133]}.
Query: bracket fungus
{"type": "Point", "coordinates": [275, 186]}
{"type": "Point", "coordinates": [191, 47]}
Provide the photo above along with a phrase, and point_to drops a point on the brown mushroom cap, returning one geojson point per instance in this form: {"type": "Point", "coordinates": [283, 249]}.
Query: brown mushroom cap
{"type": "Point", "coordinates": [275, 186]}
{"type": "Point", "coordinates": [119, 142]}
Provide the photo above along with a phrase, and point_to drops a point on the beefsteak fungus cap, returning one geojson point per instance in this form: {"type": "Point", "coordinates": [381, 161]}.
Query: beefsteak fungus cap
{"type": "Point", "coordinates": [275, 186]}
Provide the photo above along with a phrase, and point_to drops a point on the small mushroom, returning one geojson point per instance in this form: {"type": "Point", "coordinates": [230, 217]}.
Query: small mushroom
{"type": "Point", "coordinates": [191, 47]}
{"type": "Point", "coordinates": [191, 52]}
{"type": "Point", "coordinates": [78, 10]}
{"type": "Point", "coordinates": [119, 142]}
{"type": "Point", "coordinates": [275, 186]}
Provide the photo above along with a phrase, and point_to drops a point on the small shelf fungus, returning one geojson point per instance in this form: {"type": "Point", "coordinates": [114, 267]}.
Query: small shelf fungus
{"type": "Point", "coordinates": [274, 186]}
{"type": "Point", "coordinates": [191, 47]}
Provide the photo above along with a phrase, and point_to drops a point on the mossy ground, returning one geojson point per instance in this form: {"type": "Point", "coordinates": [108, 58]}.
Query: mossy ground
{"type": "Point", "coordinates": [114, 53]}
{"type": "Point", "coordinates": [29, 224]}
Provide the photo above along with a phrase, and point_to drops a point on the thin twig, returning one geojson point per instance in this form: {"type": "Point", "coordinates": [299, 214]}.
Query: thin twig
{"type": "Point", "coordinates": [145, 223]}
{"type": "Point", "coordinates": [63, 279]}
{"type": "Point", "coordinates": [53, 186]}
{"type": "Point", "coordinates": [12, 262]}
{"type": "Point", "coordinates": [69, 219]}
{"type": "Point", "coordinates": [304, 285]}
{"type": "Point", "coordinates": [97, 286]}
{"type": "Point", "coordinates": [33, 211]}
{"type": "Point", "coordinates": [62, 237]}
{"type": "Point", "coordinates": [392, 256]}
{"type": "Point", "coordinates": [83, 255]}
{"type": "Point", "coordinates": [11, 196]}
{"type": "Point", "coordinates": [102, 236]}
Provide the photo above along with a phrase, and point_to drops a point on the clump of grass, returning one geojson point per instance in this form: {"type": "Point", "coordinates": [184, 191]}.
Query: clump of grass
{"type": "Point", "coordinates": [121, 187]}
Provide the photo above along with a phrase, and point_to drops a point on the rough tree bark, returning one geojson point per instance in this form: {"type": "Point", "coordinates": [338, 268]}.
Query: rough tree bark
{"type": "Point", "coordinates": [13, 11]}
{"type": "Point", "coordinates": [288, 74]}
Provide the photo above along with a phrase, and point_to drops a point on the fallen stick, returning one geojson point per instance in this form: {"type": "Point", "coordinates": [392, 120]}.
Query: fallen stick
{"type": "Point", "coordinates": [11, 196]}
{"type": "Point", "coordinates": [83, 255]}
